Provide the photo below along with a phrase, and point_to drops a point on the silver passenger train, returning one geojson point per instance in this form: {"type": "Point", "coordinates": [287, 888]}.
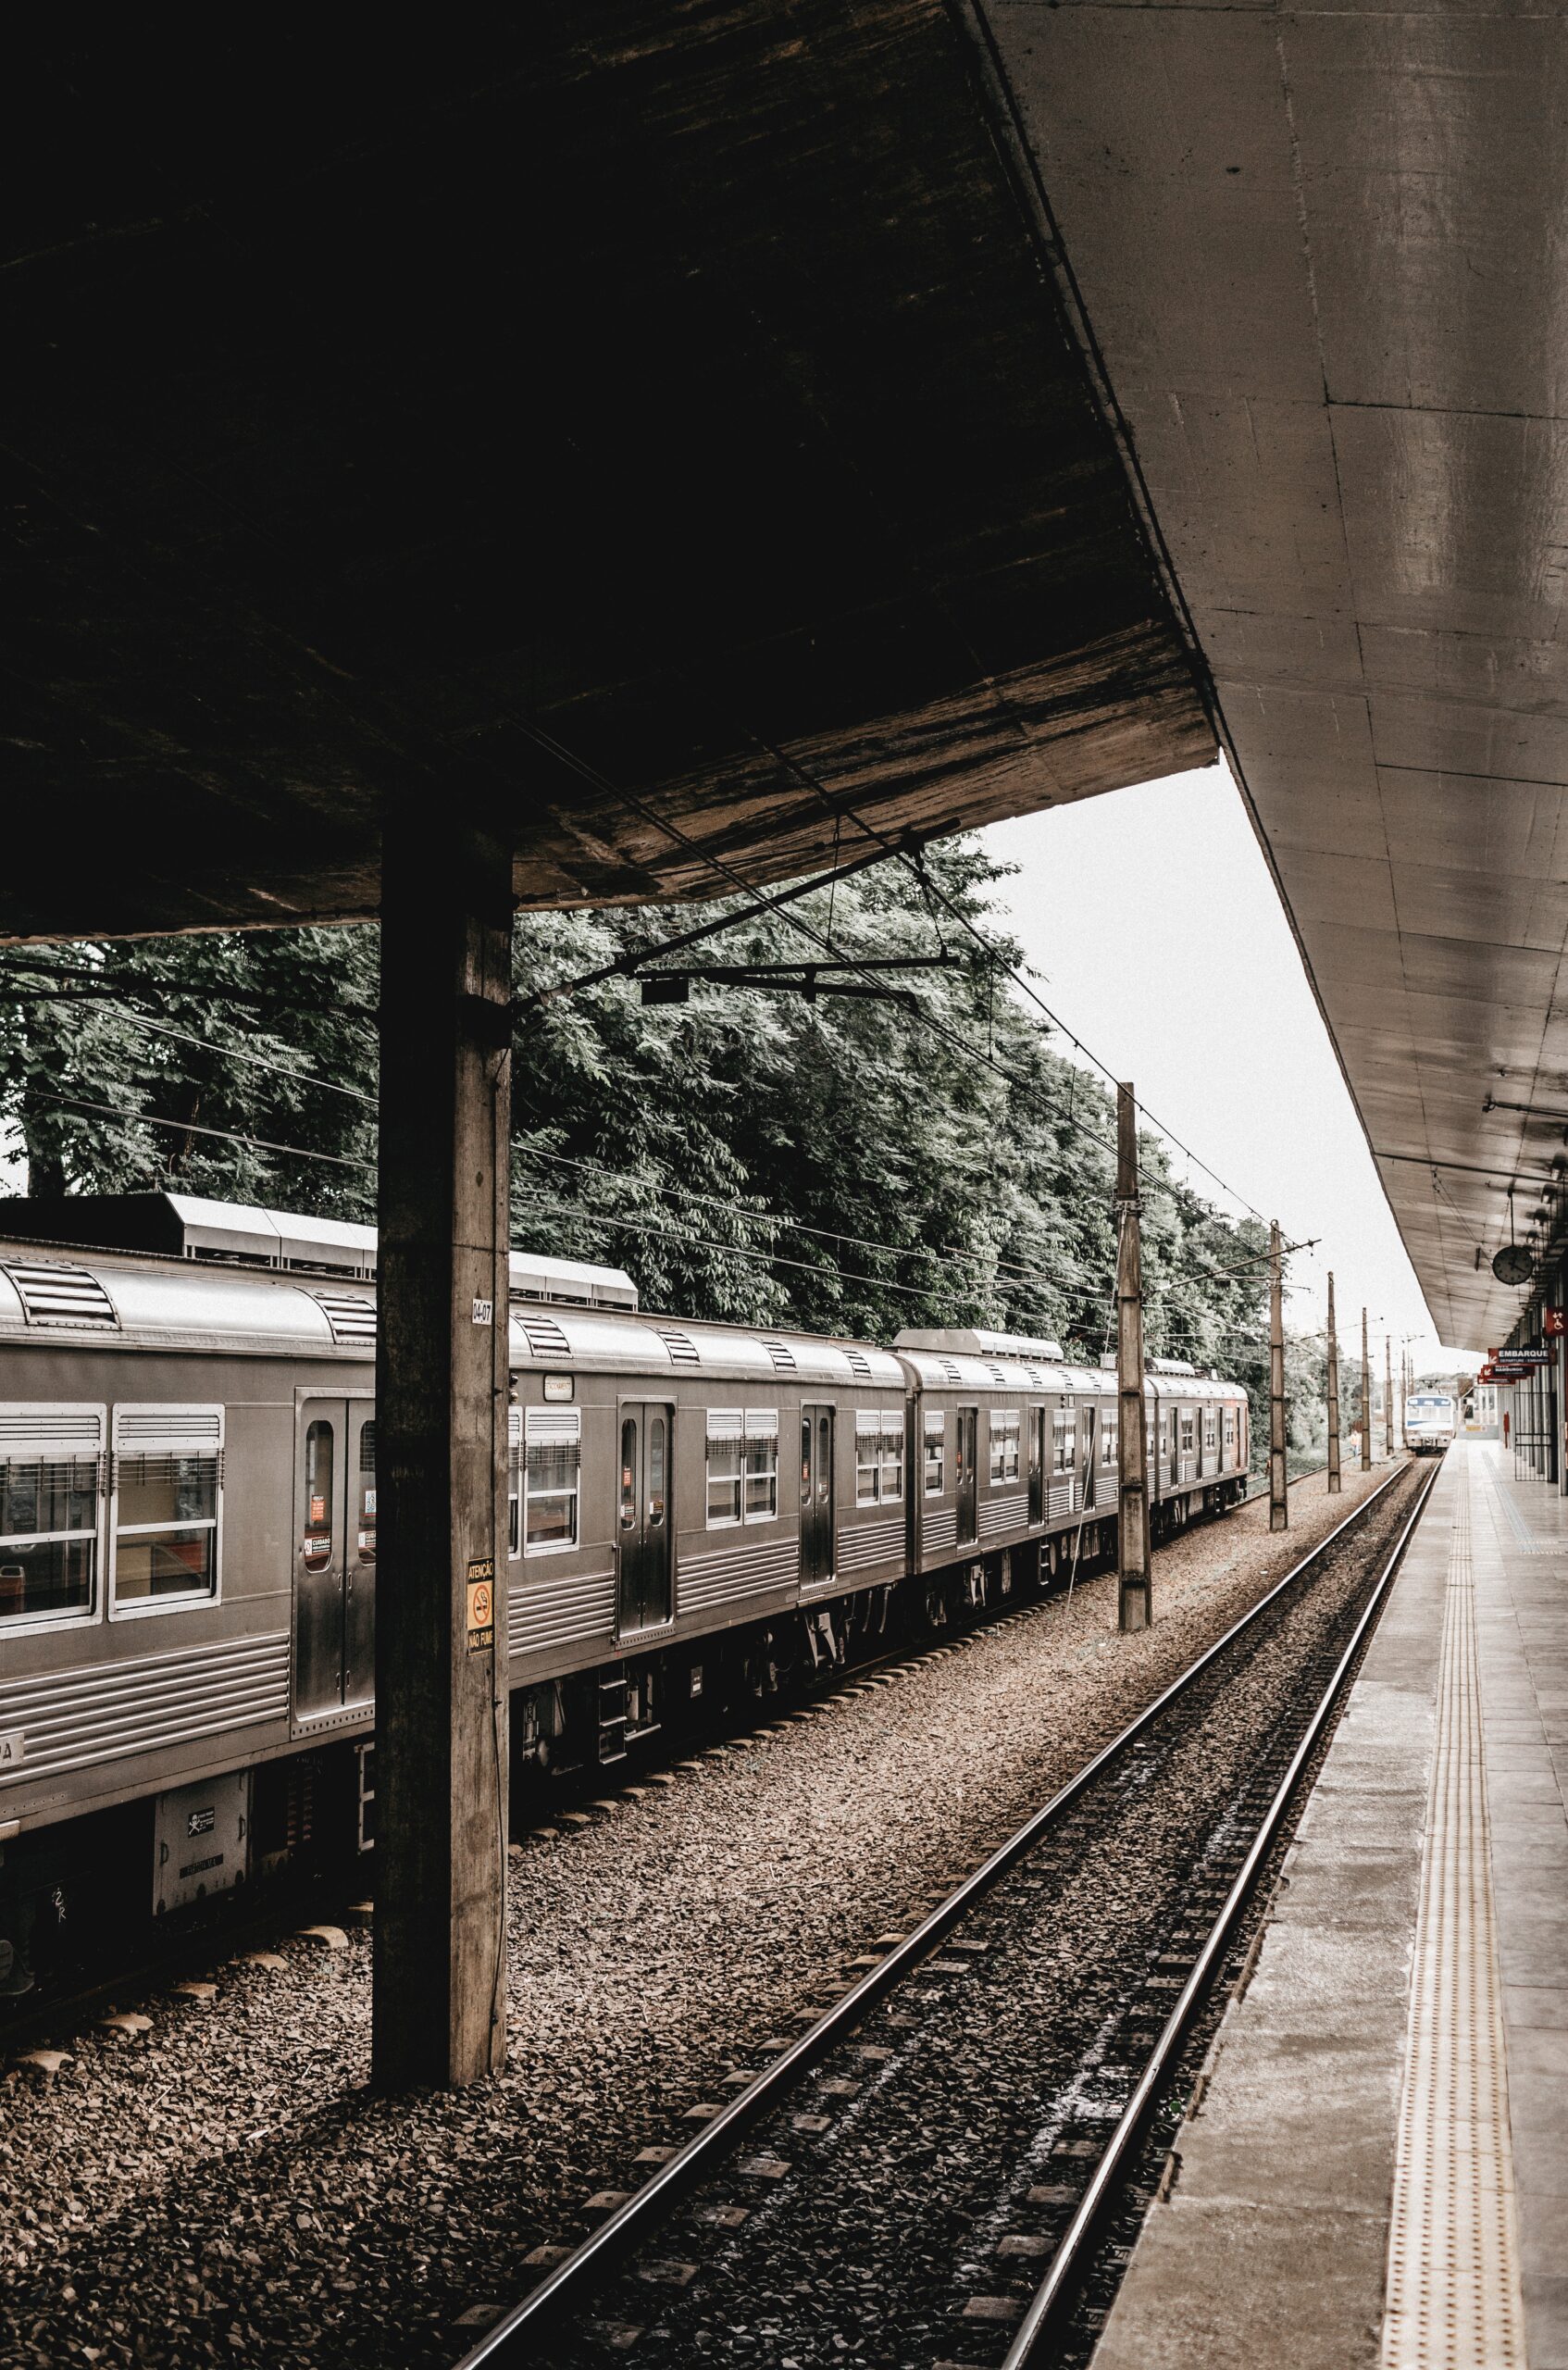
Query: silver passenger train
{"type": "Point", "coordinates": [188, 1527]}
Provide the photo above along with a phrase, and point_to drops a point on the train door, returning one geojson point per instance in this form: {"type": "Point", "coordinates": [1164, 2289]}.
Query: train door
{"type": "Point", "coordinates": [1038, 1420]}
{"type": "Point", "coordinates": [334, 1557]}
{"type": "Point", "coordinates": [643, 1535]}
{"type": "Point", "coordinates": [1089, 1449]}
{"type": "Point", "coordinates": [968, 1424]}
{"type": "Point", "coordinates": [818, 1542]}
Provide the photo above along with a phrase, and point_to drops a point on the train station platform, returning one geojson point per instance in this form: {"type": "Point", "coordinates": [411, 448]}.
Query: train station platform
{"type": "Point", "coordinates": [1374, 2169]}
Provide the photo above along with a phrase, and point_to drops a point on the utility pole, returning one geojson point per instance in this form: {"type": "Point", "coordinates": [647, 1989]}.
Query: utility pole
{"type": "Point", "coordinates": [1135, 1606]}
{"type": "Point", "coordinates": [1388, 1397]}
{"type": "Point", "coordinates": [1334, 1480]}
{"type": "Point", "coordinates": [1365, 1401]}
{"type": "Point", "coordinates": [1278, 1500]}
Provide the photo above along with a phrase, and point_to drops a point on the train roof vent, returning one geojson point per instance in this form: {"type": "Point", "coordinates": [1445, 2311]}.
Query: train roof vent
{"type": "Point", "coordinates": [544, 1337]}
{"type": "Point", "coordinates": [1000, 1375]}
{"type": "Point", "coordinates": [70, 1298]}
{"type": "Point", "coordinates": [683, 1350]}
{"type": "Point", "coordinates": [577, 1281]}
{"type": "Point", "coordinates": [953, 1374]}
{"type": "Point", "coordinates": [859, 1363]}
{"type": "Point", "coordinates": [782, 1355]}
{"type": "Point", "coordinates": [351, 1319]}
{"type": "Point", "coordinates": [1170, 1365]}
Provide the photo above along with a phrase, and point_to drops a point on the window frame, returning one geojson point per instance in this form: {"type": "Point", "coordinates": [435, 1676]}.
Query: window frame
{"type": "Point", "coordinates": [570, 1419]}
{"type": "Point", "coordinates": [1006, 1425]}
{"type": "Point", "coordinates": [1064, 1439]}
{"type": "Point", "coordinates": [48, 1450]}
{"type": "Point", "coordinates": [171, 1444]}
{"type": "Point", "coordinates": [867, 1455]}
{"type": "Point", "coordinates": [733, 1423]}
{"type": "Point", "coordinates": [514, 1485]}
{"type": "Point", "coordinates": [933, 1428]}
{"type": "Point", "coordinates": [762, 1426]}
{"type": "Point", "coordinates": [893, 1436]}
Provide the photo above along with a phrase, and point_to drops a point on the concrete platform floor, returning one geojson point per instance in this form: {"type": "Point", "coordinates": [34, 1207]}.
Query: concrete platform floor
{"type": "Point", "coordinates": [1375, 2169]}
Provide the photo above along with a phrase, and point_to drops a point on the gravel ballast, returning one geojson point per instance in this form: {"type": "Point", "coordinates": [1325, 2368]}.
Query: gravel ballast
{"type": "Point", "coordinates": [224, 2188]}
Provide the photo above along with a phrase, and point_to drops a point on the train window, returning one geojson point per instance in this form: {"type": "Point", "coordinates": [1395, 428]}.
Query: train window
{"type": "Point", "coordinates": [367, 1490]}
{"type": "Point", "coordinates": [726, 1457]}
{"type": "Point", "coordinates": [317, 1544]}
{"type": "Point", "coordinates": [629, 1473]}
{"type": "Point", "coordinates": [824, 1459]}
{"type": "Point", "coordinates": [891, 1462]}
{"type": "Point", "coordinates": [805, 1460]}
{"type": "Point", "coordinates": [1109, 1419]}
{"type": "Point", "coordinates": [1006, 1430]}
{"type": "Point", "coordinates": [657, 1459]}
{"type": "Point", "coordinates": [868, 1454]}
{"type": "Point", "coordinates": [936, 1452]}
{"type": "Point", "coordinates": [552, 1470]}
{"type": "Point", "coordinates": [168, 1504]}
{"type": "Point", "coordinates": [1209, 1433]}
{"type": "Point", "coordinates": [1061, 1440]}
{"type": "Point", "coordinates": [514, 1481]}
{"type": "Point", "coordinates": [1187, 1431]}
{"type": "Point", "coordinates": [762, 1463]}
{"type": "Point", "coordinates": [49, 1483]}
{"type": "Point", "coordinates": [1229, 1431]}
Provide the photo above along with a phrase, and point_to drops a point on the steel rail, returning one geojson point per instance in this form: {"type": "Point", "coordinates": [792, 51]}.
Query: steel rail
{"type": "Point", "coordinates": [513, 2339]}
{"type": "Point", "coordinates": [1068, 2265]}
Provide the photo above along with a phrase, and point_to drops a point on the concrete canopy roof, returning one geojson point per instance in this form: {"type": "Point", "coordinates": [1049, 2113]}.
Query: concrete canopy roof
{"type": "Point", "coordinates": [650, 428]}
{"type": "Point", "coordinates": [1323, 256]}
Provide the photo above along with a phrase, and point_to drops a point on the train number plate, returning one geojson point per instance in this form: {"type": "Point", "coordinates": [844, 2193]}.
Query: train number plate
{"type": "Point", "coordinates": [13, 1748]}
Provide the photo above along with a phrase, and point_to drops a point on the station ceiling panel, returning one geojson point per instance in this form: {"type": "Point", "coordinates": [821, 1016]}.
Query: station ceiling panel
{"type": "Point", "coordinates": [1321, 256]}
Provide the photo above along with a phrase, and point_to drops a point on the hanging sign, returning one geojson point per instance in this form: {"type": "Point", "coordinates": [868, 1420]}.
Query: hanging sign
{"type": "Point", "coordinates": [1521, 1361]}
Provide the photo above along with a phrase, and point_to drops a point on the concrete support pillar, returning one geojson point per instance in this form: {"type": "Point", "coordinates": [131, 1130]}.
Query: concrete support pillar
{"type": "Point", "coordinates": [1335, 1483]}
{"type": "Point", "coordinates": [442, 1381]}
{"type": "Point", "coordinates": [1278, 1491]}
{"type": "Point", "coordinates": [1365, 1401]}
{"type": "Point", "coordinates": [1135, 1607]}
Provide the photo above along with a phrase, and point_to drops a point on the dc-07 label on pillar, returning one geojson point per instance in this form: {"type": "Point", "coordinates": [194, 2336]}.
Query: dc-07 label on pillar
{"type": "Point", "coordinates": [481, 1604]}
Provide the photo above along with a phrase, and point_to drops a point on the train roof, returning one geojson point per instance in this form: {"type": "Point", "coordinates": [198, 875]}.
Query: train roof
{"type": "Point", "coordinates": [647, 1344]}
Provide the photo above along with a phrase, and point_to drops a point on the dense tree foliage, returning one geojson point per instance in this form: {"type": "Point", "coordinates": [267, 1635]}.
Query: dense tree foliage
{"type": "Point", "coordinates": [848, 1165]}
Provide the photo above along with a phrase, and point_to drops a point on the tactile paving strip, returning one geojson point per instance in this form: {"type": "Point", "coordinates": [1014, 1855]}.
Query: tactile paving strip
{"type": "Point", "coordinates": [1453, 2299]}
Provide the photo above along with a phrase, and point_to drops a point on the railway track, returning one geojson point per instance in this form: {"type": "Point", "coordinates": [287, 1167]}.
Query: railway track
{"type": "Point", "coordinates": [926, 2172]}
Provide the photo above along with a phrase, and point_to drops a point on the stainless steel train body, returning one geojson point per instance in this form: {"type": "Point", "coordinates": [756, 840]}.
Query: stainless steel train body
{"type": "Point", "coordinates": [188, 1511]}
{"type": "Point", "coordinates": [1430, 1420]}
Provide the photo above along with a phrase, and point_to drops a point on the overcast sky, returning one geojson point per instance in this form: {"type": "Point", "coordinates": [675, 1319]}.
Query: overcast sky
{"type": "Point", "coordinates": [1164, 946]}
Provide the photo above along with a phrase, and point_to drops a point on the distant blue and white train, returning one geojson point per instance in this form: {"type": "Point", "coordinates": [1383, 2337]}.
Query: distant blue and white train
{"type": "Point", "coordinates": [1430, 1422]}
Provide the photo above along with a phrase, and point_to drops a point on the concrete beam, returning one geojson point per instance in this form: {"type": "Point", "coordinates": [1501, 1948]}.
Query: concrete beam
{"type": "Point", "coordinates": [441, 1384]}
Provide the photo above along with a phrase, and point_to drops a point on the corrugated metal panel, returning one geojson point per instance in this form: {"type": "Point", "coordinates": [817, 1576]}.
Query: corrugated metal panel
{"type": "Point", "coordinates": [870, 1543]}
{"type": "Point", "coordinates": [541, 1614]}
{"type": "Point", "coordinates": [719, 1578]}
{"type": "Point", "coordinates": [938, 1530]}
{"type": "Point", "coordinates": [78, 1719]}
{"type": "Point", "coordinates": [999, 1514]}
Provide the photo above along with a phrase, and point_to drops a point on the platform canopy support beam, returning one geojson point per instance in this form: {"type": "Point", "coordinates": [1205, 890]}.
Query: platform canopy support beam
{"type": "Point", "coordinates": [1135, 1608]}
{"type": "Point", "coordinates": [1365, 1401]}
{"type": "Point", "coordinates": [442, 1381]}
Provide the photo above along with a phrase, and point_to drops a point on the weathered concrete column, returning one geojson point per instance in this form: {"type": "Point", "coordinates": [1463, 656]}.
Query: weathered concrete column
{"type": "Point", "coordinates": [1278, 1486]}
{"type": "Point", "coordinates": [438, 1996]}
{"type": "Point", "coordinates": [1135, 1605]}
{"type": "Point", "coordinates": [1333, 1481]}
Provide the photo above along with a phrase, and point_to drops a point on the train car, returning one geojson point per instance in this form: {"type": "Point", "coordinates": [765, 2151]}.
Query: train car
{"type": "Point", "coordinates": [188, 1528]}
{"type": "Point", "coordinates": [1430, 1422]}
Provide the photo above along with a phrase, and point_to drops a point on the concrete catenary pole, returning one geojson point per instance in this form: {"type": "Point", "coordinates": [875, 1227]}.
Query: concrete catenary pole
{"type": "Point", "coordinates": [1365, 1401]}
{"type": "Point", "coordinates": [1278, 1495]}
{"type": "Point", "coordinates": [1135, 1608]}
{"type": "Point", "coordinates": [1335, 1483]}
{"type": "Point", "coordinates": [439, 1981]}
{"type": "Point", "coordinates": [1387, 1396]}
